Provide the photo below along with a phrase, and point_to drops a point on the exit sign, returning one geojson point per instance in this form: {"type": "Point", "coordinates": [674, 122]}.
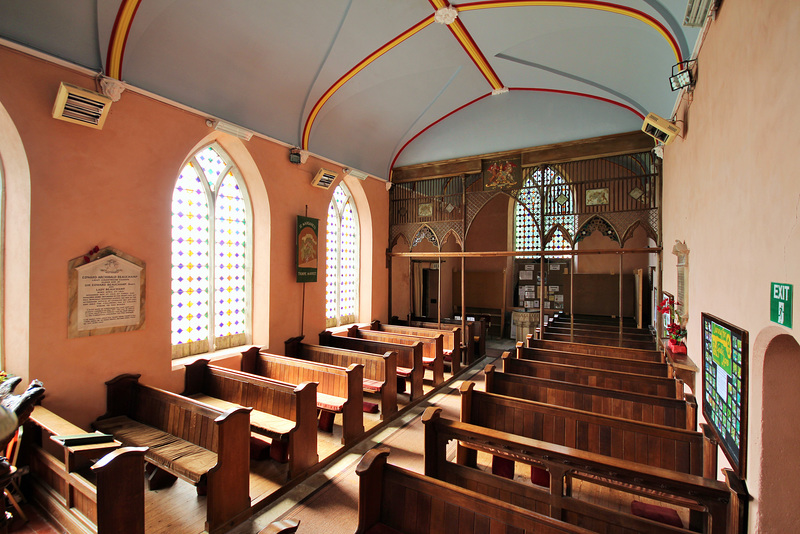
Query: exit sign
{"type": "Point", "coordinates": [780, 307]}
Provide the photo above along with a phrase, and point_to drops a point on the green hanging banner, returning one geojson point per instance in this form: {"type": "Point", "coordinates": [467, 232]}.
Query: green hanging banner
{"type": "Point", "coordinates": [307, 254]}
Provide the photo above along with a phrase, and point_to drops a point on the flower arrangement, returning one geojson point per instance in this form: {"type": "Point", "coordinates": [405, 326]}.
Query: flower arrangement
{"type": "Point", "coordinates": [675, 328]}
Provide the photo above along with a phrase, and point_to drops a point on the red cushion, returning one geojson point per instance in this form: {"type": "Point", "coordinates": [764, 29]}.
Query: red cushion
{"type": "Point", "coordinates": [502, 467]}
{"type": "Point", "coordinates": [372, 385]}
{"type": "Point", "coordinates": [668, 516]}
{"type": "Point", "coordinates": [403, 371]}
{"type": "Point", "coordinates": [370, 407]}
{"type": "Point", "coordinates": [330, 402]}
{"type": "Point", "coordinates": [259, 448]}
{"type": "Point", "coordinates": [540, 476]}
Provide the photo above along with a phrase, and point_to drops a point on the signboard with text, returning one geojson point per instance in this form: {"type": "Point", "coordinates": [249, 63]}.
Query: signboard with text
{"type": "Point", "coordinates": [307, 245]}
{"type": "Point", "coordinates": [780, 304]}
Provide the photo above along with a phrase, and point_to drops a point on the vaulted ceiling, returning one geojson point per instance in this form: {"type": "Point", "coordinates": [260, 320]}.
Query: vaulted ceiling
{"type": "Point", "coordinates": [374, 84]}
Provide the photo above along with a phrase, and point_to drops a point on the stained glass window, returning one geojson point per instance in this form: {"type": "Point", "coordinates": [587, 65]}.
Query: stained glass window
{"type": "Point", "coordinates": [534, 218]}
{"type": "Point", "coordinates": [209, 255]}
{"type": "Point", "coordinates": [341, 263]}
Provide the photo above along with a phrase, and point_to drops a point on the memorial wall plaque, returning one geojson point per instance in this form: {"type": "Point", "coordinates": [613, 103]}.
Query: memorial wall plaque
{"type": "Point", "coordinates": [106, 294]}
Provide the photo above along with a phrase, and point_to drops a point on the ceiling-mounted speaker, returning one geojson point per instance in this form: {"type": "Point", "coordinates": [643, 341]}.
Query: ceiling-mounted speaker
{"type": "Point", "coordinates": [660, 128]}
{"type": "Point", "coordinates": [81, 106]}
{"type": "Point", "coordinates": [324, 178]}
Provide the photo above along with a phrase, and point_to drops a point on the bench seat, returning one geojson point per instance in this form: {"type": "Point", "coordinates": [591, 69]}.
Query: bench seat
{"type": "Point", "coordinates": [331, 403]}
{"type": "Point", "coordinates": [373, 386]}
{"type": "Point", "coordinates": [269, 425]}
{"type": "Point", "coordinates": [183, 458]}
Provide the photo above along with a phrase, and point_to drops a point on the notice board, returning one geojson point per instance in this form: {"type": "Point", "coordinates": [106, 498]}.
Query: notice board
{"type": "Point", "coordinates": [725, 363]}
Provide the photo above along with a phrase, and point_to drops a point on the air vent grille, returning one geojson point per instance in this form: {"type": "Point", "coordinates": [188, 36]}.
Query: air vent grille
{"type": "Point", "coordinates": [324, 178]}
{"type": "Point", "coordinates": [696, 12]}
{"type": "Point", "coordinates": [81, 106]}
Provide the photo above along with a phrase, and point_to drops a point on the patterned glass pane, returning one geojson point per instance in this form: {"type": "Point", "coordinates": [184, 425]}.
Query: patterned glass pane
{"type": "Point", "coordinates": [348, 273]}
{"type": "Point", "coordinates": [213, 165]}
{"type": "Point", "coordinates": [332, 261]}
{"type": "Point", "coordinates": [342, 260]}
{"type": "Point", "coordinates": [190, 262]}
{"type": "Point", "coordinates": [526, 236]}
{"type": "Point", "coordinates": [231, 224]}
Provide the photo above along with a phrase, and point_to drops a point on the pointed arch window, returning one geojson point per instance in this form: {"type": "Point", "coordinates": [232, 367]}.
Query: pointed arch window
{"type": "Point", "coordinates": [210, 258]}
{"type": "Point", "coordinates": [342, 259]}
{"type": "Point", "coordinates": [545, 208]}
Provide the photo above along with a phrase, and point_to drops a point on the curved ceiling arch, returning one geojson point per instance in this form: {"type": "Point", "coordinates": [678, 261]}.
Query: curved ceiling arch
{"type": "Point", "coordinates": [339, 77]}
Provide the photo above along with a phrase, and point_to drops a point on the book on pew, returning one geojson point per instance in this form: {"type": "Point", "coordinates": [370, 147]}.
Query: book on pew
{"type": "Point", "coordinates": [83, 439]}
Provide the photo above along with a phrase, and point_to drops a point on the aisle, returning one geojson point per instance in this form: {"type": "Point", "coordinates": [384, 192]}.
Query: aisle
{"type": "Point", "coordinates": [328, 501]}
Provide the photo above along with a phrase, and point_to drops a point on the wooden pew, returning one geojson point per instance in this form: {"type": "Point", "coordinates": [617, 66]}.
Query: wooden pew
{"type": "Point", "coordinates": [81, 495]}
{"type": "Point", "coordinates": [605, 334]}
{"type": "Point", "coordinates": [600, 340]}
{"type": "Point", "coordinates": [285, 413]}
{"type": "Point", "coordinates": [623, 365]}
{"type": "Point", "coordinates": [451, 339]}
{"type": "Point", "coordinates": [339, 390]}
{"type": "Point", "coordinates": [395, 500]}
{"type": "Point", "coordinates": [409, 358]}
{"type": "Point", "coordinates": [212, 452]}
{"type": "Point", "coordinates": [432, 347]}
{"type": "Point", "coordinates": [675, 413]}
{"type": "Point", "coordinates": [475, 339]}
{"type": "Point", "coordinates": [598, 350]}
{"type": "Point", "coordinates": [633, 441]}
{"type": "Point", "coordinates": [715, 507]}
{"type": "Point", "coordinates": [646, 385]}
{"type": "Point", "coordinates": [380, 370]}
{"type": "Point", "coordinates": [564, 322]}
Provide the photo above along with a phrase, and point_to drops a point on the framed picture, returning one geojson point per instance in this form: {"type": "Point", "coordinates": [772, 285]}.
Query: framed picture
{"type": "Point", "coordinates": [597, 197]}
{"type": "Point", "coordinates": [425, 210]}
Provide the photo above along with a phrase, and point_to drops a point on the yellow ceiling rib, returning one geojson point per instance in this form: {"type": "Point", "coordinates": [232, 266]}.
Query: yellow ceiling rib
{"type": "Point", "coordinates": [584, 4]}
{"type": "Point", "coordinates": [119, 37]}
{"type": "Point", "coordinates": [355, 70]}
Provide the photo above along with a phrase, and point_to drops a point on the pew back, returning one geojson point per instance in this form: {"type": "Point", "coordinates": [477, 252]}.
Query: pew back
{"type": "Point", "coordinates": [451, 339]}
{"type": "Point", "coordinates": [598, 350]}
{"type": "Point", "coordinates": [432, 347]}
{"type": "Point", "coordinates": [646, 385]}
{"type": "Point", "coordinates": [407, 502]}
{"type": "Point", "coordinates": [409, 357]}
{"type": "Point", "coordinates": [673, 413]}
{"type": "Point", "coordinates": [379, 369]}
{"type": "Point", "coordinates": [597, 362]}
{"type": "Point", "coordinates": [653, 445]}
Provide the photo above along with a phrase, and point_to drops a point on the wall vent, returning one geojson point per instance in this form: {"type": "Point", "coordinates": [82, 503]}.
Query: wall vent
{"type": "Point", "coordinates": [81, 106]}
{"type": "Point", "coordinates": [355, 173]}
{"type": "Point", "coordinates": [697, 12]}
{"type": "Point", "coordinates": [324, 178]}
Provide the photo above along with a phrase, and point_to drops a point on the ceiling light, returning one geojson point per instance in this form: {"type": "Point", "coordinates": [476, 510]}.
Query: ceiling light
{"type": "Point", "coordinates": [683, 77]}
{"type": "Point", "coordinates": [230, 128]}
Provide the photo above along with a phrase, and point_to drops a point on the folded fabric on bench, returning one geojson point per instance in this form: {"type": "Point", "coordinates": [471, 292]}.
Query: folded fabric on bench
{"type": "Point", "coordinates": [185, 459]}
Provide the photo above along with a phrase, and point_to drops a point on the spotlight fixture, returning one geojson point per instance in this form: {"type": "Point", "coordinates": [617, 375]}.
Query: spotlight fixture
{"type": "Point", "coordinates": [298, 156]}
{"type": "Point", "coordinates": [682, 75]}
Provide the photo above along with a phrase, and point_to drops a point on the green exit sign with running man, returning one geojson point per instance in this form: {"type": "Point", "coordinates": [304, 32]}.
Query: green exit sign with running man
{"type": "Point", "coordinates": [780, 307]}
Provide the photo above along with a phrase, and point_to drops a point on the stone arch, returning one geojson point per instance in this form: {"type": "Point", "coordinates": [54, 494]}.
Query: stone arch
{"type": "Point", "coordinates": [774, 375]}
{"type": "Point", "coordinates": [16, 240]}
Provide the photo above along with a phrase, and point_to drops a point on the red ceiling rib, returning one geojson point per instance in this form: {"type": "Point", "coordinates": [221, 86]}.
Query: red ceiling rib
{"type": "Point", "coordinates": [533, 89]}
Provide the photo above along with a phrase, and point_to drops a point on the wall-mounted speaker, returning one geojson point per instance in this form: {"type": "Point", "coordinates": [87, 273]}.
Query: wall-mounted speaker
{"type": "Point", "coordinates": [660, 128]}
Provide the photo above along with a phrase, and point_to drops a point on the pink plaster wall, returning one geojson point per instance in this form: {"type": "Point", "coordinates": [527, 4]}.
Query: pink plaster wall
{"type": "Point", "coordinates": [732, 193]}
{"type": "Point", "coordinates": [113, 188]}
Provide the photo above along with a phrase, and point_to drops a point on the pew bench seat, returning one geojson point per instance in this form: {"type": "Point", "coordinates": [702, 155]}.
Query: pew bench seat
{"type": "Point", "coordinates": [373, 386]}
{"type": "Point", "coordinates": [187, 460]}
{"type": "Point", "coordinates": [263, 423]}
